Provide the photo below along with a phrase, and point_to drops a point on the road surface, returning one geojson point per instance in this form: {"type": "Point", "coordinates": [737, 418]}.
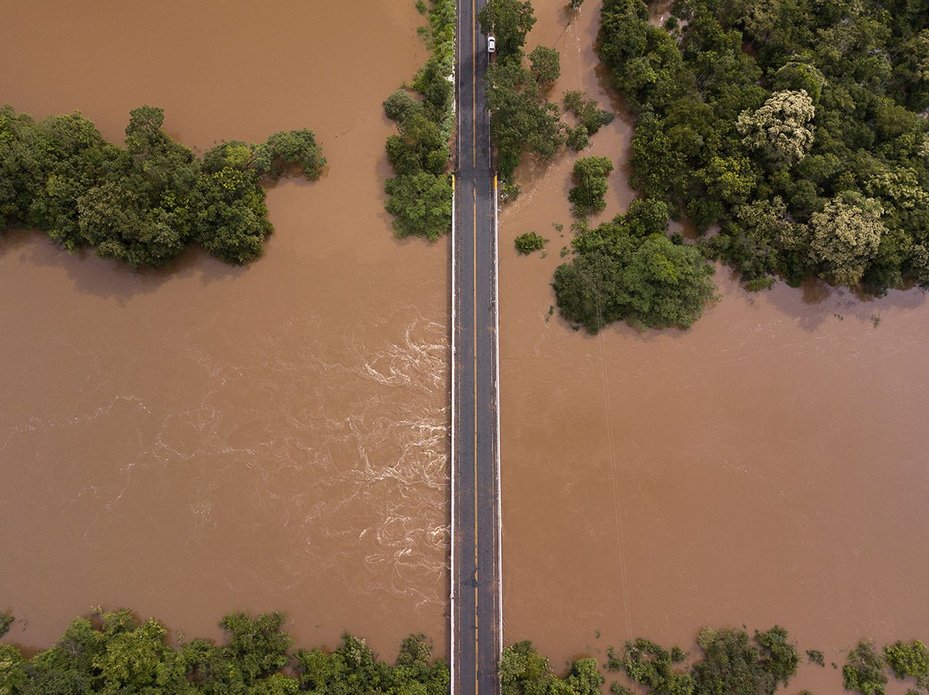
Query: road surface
{"type": "Point", "coordinates": [476, 600]}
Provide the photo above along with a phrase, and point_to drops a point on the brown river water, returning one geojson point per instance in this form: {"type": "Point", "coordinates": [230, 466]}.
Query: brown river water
{"type": "Point", "coordinates": [767, 466]}
{"type": "Point", "coordinates": [210, 438]}
{"type": "Point", "coordinates": [275, 437]}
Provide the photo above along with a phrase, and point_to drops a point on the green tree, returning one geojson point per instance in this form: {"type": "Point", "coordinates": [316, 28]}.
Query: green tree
{"type": "Point", "coordinates": [510, 22]}
{"type": "Point", "coordinates": [421, 205]}
{"type": "Point", "coordinates": [521, 120]}
{"type": "Point", "coordinates": [782, 128]}
{"type": "Point", "coordinates": [846, 235]}
{"type": "Point", "coordinates": [628, 269]}
{"type": "Point", "coordinates": [545, 65]}
{"type": "Point", "coordinates": [863, 671]}
{"type": "Point", "coordinates": [257, 646]}
{"type": "Point", "coordinates": [591, 176]}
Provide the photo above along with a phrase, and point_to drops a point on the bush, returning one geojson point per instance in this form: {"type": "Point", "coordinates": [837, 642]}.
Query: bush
{"type": "Point", "coordinates": [864, 671]}
{"type": "Point", "coordinates": [909, 660]}
{"type": "Point", "coordinates": [529, 242]}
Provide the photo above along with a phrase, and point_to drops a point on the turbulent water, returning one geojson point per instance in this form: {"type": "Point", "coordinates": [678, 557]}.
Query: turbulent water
{"type": "Point", "coordinates": [206, 439]}
{"type": "Point", "coordinates": [767, 466]}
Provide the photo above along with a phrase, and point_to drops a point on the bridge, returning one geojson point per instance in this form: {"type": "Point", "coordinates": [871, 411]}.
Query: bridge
{"type": "Point", "coordinates": [476, 592]}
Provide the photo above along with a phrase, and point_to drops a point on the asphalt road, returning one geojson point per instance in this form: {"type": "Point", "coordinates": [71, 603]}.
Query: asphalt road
{"type": "Point", "coordinates": [476, 599]}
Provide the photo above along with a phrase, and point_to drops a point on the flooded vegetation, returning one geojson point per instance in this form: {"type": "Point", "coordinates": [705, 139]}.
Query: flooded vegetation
{"type": "Point", "coordinates": [764, 467]}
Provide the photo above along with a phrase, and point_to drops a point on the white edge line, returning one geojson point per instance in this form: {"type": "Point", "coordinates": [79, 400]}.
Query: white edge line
{"type": "Point", "coordinates": [497, 393]}
{"type": "Point", "coordinates": [451, 462]}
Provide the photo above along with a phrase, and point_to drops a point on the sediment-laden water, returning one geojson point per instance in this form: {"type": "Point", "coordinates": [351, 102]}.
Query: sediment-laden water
{"type": "Point", "coordinates": [767, 466]}
{"type": "Point", "coordinates": [209, 438]}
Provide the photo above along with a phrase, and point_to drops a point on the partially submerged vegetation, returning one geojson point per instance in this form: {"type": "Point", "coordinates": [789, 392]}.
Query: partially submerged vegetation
{"type": "Point", "coordinates": [116, 653]}
{"type": "Point", "coordinates": [591, 176]}
{"type": "Point", "coordinates": [528, 242]}
{"type": "Point", "coordinates": [630, 270]}
{"type": "Point", "coordinates": [143, 204]}
{"type": "Point", "coordinates": [419, 196]}
{"type": "Point", "coordinates": [799, 128]}
{"type": "Point", "coordinates": [730, 662]}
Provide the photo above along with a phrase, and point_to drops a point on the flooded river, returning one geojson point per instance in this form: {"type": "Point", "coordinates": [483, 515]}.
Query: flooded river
{"type": "Point", "coordinates": [274, 437]}
{"type": "Point", "coordinates": [207, 439]}
{"type": "Point", "coordinates": [767, 466]}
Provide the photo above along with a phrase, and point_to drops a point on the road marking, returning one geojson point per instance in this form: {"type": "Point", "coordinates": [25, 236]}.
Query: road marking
{"type": "Point", "coordinates": [476, 539]}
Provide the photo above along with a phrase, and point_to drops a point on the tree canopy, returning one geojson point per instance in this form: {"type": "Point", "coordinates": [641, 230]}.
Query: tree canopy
{"type": "Point", "coordinates": [797, 127]}
{"type": "Point", "coordinates": [143, 204]}
{"type": "Point", "coordinates": [116, 653]}
{"type": "Point", "coordinates": [419, 196]}
{"type": "Point", "coordinates": [630, 270]}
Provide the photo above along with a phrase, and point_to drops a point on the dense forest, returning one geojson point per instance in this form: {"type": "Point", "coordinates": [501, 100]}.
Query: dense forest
{"type": "Point", "coordinates": [419, 195]}
{"type": "Point", "coordinates": [799, 127]}
{"type": "Point", "coordinates": [116, 653]}
{"type": "Point", "coordinates": [143, 204]}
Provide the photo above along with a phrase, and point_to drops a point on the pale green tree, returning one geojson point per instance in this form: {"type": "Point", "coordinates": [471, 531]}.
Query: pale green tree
{"type": "Point", "coordinates": [846, 235]}
{"type": "Point", "coordinates": [782, 128]}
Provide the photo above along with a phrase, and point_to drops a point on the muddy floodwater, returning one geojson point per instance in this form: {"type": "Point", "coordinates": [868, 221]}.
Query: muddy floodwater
{"type": "Point", "coordinates": [768, 466]}
{"type": "Point", "coordinates": [191, 442]}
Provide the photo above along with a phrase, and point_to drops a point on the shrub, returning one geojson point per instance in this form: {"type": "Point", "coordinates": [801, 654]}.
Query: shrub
{"type": "Point", "coordinates": [529, 242]}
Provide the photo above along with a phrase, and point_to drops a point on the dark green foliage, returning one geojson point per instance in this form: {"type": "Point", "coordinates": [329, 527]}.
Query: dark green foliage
{"type": "Point", "coordinates": [144, 204]}
{"type": "Point", "coordinates": [864, 671]}
{"type": "Point", "coordinates": [577, 138]}
{"type": "Point", "coordinates": [732, 665]}
{"type": "Point", "coordinates": [587, 112]}
{"type": "Point", "coordinates": [814, 656]}
{"type": "Point", "coordinates": [521, 119]}
{"type": "Point", "coordinates": [5, 621]}
{"type": "Point", "coordinates": [523, 671]}
{"type": "Point", "coordinates": [510, 22]}
{"type": "Point", "coordinates": [652, 666]}
{"type": "Point", "coordinates": [419, 152]}
{"type": "Point", "coordinates": [909, 660]}
{"type": "Point", "coordinates": [628, 269]}
{"type": "Point", "coordinates": [545, 65]}
{"type": "Point", "coordinates": [590, 185]}
{"type": "Point", "coordinates": [296, 149]}
{"type": "Point", "coordinates": [400, 105]}
{"type": "Point", "coordinates": [759, 116]}
{"type": "Point", "coordinates": [529, 242]}
{"type": "Point", "coordinates": [421, 204]}
{"type": "Point", "coordinates": [115, 653]}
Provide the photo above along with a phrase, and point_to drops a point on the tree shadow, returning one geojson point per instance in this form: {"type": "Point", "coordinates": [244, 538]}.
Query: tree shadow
{"type": "Point", "coordinates": [815, 302]}
{"type": "Point", "coordinates": [109, 278]}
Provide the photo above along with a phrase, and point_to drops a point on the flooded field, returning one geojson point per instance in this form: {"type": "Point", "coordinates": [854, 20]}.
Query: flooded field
{"type": "Point", "coordinates": [767, 466]}
{"type": "Point", "coordinates": [207, 439]}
